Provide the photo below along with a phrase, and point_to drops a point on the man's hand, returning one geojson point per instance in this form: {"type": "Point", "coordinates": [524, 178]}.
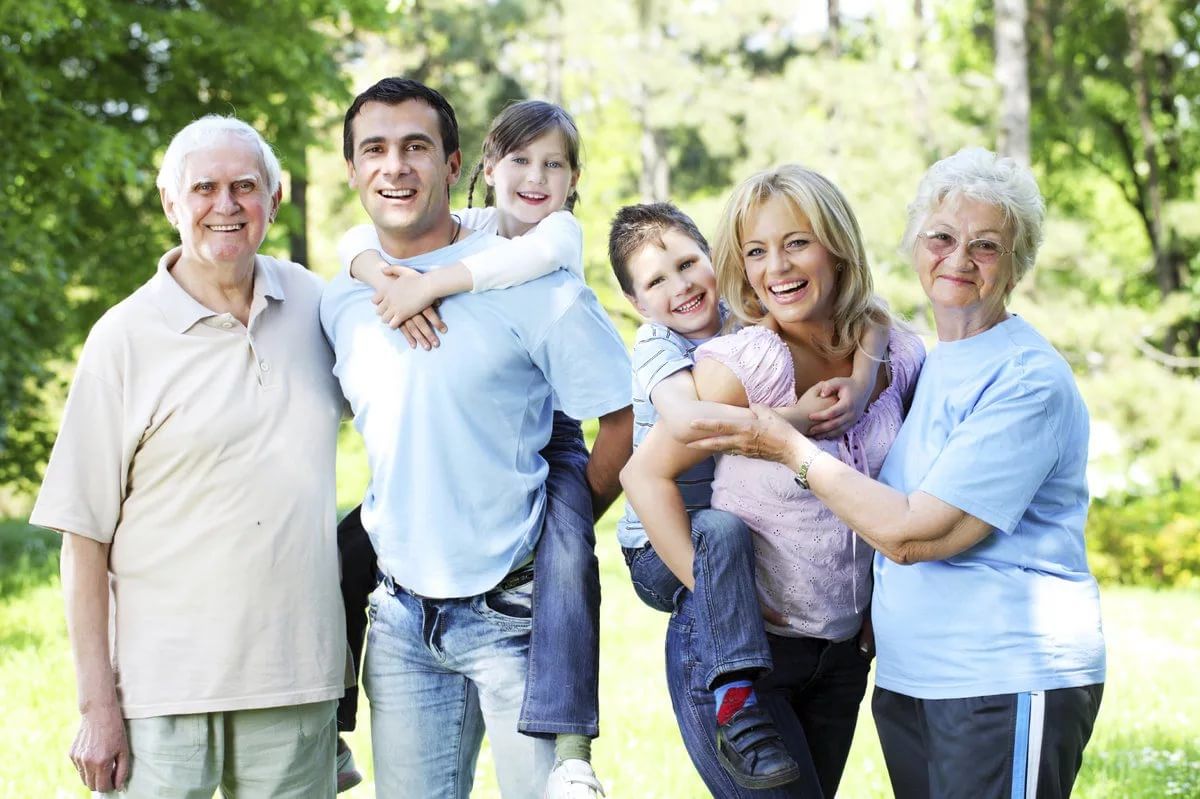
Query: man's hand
{"type": "Point", "coordinates": [101, 750]}
{"type": "Point", "coordinates": [408, 304]}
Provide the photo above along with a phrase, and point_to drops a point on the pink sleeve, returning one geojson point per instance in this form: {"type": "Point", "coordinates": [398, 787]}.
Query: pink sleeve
{"type": "Point", "coordinates": [760, 360]}
{"type": "Point", "coordinates": [908, 355]}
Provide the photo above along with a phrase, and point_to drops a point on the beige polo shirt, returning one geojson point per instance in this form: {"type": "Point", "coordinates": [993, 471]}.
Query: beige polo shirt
{"type": "Point", "coordinates": [204, 452]}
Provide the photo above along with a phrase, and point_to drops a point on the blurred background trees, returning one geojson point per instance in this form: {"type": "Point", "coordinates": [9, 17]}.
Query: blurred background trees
{"type": "Point", "coordinates": [676, 99]}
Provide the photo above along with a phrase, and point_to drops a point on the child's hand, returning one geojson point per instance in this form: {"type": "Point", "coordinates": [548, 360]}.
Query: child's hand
{"type": "Point", "coordinates": [839, 417]}
{"type": "Point", "coordinates": [801, 414]}
{"type": "Point", "coordinates": [407, 304]}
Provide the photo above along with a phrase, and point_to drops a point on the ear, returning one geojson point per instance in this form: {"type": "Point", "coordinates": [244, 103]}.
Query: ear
{"type": "Point", "coordinates": [574, 182]}
{"type": "Point", "coordinates": [455, 163]}
{"type": "Point", "coordinates": [168, 206]}
{"type": "Point", "coordinates": [351, 174]}
{"type": "Point", "coordinates": [489, 166]}
{"type": "Point", "coordinates": [633, 300]}
{"type": "Point", "coordinates": [276, 198]}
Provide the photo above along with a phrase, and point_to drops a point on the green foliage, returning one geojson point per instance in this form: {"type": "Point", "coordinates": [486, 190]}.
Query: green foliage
{"type": "Point", "coordinates": [90, 93]}
{"type": "Point", "coordinates": [29, 555]}
{"type": "Point", "coordinates": [1153, 539]}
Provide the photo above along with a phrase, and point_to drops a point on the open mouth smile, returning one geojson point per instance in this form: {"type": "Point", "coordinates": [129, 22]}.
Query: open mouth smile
{"type": "Point", "coordinates": [397, 194]}
{"type": "Point", "coordinates": [226, 228]}
{"type": "Point", "coordinates": [691, 305]}
{"type": "Point", "coordinates": [533, 196]}
{"type": "Point", "coordinates": [788, 290]}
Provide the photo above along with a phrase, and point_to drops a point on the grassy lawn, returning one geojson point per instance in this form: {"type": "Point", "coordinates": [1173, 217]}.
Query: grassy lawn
{"type": "Point", "coordinates": [1147, 740]}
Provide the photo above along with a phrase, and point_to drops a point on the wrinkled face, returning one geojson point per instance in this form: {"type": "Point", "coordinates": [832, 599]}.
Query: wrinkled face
{"type": "Point", "coordinates": [399, 169]}
{"type": "Point", "coordinates": [792, 274]}
{"type": "Point", "coordinates": [531, 182]}
{"type": "Point", "coordinates": [222, 208]}
{"type": "Point", "coordinates": [675, 286]}
{"type": "Point", "coordinates": [954, 281]}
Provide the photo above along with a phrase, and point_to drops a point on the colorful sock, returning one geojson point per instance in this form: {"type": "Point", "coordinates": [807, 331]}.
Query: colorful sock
{"type": "Point", "coordinates": [568, 746]}
{"type": "Point", "coordinates": [732, 697]}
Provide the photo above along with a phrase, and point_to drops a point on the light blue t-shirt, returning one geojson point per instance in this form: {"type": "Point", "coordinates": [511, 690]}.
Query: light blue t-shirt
{"type": "Point", "coordinates": [998, 429]}
{"type": "Point", "coordinates": [453, 435]}
{"type": "Point", "coordinates": [658, 353]}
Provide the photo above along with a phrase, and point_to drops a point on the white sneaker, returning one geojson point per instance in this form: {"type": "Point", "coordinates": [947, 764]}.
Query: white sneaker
{"type": "Point", "coordinates": [573, 779]}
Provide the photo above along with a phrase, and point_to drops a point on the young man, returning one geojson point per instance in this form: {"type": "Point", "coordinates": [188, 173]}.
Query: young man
{"type": "Point", "coordinates": [456, 499]}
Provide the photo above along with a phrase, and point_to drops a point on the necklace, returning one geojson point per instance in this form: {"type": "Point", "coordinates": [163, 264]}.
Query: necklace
{"type": "Point", "coordinates": [457, 229]}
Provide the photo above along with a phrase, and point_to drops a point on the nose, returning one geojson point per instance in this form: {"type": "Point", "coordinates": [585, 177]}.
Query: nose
{"type": "Point", "coordinates": [537, 174]}
{"type": "Point", "coordinates": [395, 163]}
{"type": "Point", "coordinates": [777, 263]}
{"type": "Point", "coordinates": [227, 202]}
{"type": "Point", "coordinates": [682, 284]}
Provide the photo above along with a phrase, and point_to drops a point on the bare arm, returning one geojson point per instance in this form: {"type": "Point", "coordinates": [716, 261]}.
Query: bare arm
{"type": "Point", "coordinates": [853, 393]}
{"type": "Point", "coordinates": [610, 452]}
{"type": "Point", "coordinates": [905, 528]}
{"type": "Point", "coordinates": [649, 479]}
{"type": "Point", "coordinates": [100, 751]}
{"type": "Point", "coordinates": [678, 405]}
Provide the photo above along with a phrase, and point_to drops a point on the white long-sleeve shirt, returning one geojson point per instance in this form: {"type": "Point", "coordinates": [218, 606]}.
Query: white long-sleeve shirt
{"type": "Point", "coordinates": [554, 243]}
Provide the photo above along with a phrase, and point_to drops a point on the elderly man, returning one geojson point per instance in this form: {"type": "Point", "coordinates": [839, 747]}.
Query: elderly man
{"type": "Point", "coordinates": [193, 480]}
{"type": "Point", "coordinates": [456, 499]}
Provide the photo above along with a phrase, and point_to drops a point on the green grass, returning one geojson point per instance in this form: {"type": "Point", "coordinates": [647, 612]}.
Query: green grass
{"type": "Point", "coordinates": [1146, 744]}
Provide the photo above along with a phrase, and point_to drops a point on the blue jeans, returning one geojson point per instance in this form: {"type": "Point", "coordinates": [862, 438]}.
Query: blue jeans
{"type": "Point", "coordinates": [813, 695]}
{"type": "Point", "coordinates": [728, 619]}
{"type": "Point", "coordinates": [562, 692]}
{"type": "Point", "coordinates": [437, 673]}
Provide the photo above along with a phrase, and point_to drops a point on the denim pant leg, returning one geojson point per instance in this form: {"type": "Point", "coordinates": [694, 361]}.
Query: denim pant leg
{"type": "Point", "coordinates": [426, 725]}
{"type": "Point", "coordinates": [654, 583]}
{"type": "Point", "coordinates": [725, 602]}
{"type": "Point", "coordinates": [562, 692]}
{"type": "Point", "coordinates": [696, 714]}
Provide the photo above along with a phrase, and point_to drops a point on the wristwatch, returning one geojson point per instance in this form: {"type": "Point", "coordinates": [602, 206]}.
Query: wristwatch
{"type": "Point", "coordinates": [801, 476]}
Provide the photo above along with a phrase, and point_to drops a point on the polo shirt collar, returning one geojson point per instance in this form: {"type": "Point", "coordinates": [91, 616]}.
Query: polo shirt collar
{"type": "Point", "coordinates": [182, 310]}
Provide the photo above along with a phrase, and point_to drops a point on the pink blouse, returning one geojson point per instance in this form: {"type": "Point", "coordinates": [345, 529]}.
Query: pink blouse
{"type": "Point", "coordinates": [810, 567]}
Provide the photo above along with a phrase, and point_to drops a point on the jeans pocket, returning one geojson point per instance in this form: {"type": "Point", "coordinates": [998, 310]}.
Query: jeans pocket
{"type": "Point", "coordinates": [511, 608]}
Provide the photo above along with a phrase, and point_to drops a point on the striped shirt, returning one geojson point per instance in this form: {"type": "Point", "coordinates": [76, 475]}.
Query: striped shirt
{"type": "Point", "coordinates": [658, 353]}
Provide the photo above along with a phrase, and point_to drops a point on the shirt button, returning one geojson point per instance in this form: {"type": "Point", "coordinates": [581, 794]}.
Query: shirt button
{"type": "Point", "coordinates": [266, 367]}
{"type": "Point", "coordinates": [227, 325]}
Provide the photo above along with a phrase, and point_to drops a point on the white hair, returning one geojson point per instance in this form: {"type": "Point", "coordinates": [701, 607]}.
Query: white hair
{"type": "Point", "coordinates": [979, 174]}
{"type": "Point", "coordinates": [200, 134]}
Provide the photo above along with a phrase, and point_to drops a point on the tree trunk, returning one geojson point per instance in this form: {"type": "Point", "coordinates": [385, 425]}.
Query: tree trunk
{"type": "Point", "coordinates": [654, 182]}
{"type": "Point", "coordinates": [1012, 73]}
{"type": "Point", "coordinates": [298, 196]}
{"type": "Point", "coordinates": [921, 112]}
{"type": "Point", "coordinates": [833, 10]}
{"type": "Point", "coordinates": [554, 52]}
{"type": "Point", "coordinates": [1164, 269]}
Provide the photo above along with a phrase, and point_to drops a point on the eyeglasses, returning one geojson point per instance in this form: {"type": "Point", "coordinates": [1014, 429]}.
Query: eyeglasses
{"type": "Point", "coordinates": [984, 252]}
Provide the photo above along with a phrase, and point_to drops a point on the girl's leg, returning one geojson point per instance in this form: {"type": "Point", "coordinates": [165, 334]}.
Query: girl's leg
{"type": "Point", "coordinates": [562, 687]}
{"type": "Point", "coordinates": [359, 579]}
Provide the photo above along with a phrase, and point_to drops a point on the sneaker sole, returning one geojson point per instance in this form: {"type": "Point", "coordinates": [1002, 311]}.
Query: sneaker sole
{"type": "Point", "coordinates": [758, 783]}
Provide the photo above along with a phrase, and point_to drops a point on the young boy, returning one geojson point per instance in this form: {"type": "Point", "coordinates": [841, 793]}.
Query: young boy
{"type": "Point", "coordinates": [662, 262]}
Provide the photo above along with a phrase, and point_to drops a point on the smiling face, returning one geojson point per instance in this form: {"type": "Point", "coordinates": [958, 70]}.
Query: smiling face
{"type": "Point", "coordinates": [402, 174]}
{"type": "Point", "coordinates": [222, 207]}
{"type": "Point", "coordinates": [791, 273]}
{"type": "Point", "coordinates": [531, 182]}
{"type": "Point", "coordinates": [675, 285]}
{"type": "Point", "coordinates": [967, 297]}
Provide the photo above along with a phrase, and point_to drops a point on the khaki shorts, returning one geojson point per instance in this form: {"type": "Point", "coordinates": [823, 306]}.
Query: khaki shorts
{"type": "Point", "coordinates": [272, 753]}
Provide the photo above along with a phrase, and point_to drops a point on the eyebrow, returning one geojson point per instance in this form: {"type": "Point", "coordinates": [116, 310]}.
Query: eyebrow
{"type": "Point", "coordinates": [205, 179]}
{"type": "Point", "coordinates": [784, 236]}
{"type": "Point", "coordinates": [411, 137]}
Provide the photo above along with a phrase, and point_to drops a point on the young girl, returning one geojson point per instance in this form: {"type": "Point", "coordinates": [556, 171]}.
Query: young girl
{"type": "Point", "coordinates": [530, 163]}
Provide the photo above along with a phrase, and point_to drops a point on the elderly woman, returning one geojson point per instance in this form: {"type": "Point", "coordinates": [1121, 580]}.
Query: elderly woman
{"type": "Point", "coordinates": [987, 620]}
{"type": "Point", "coordinates": [193, 482]}
{"type": "Point", "coordinates": [791, 265]}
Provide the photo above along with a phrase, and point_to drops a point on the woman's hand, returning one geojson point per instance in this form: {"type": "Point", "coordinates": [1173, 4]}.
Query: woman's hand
{"type": "Point", "coordinates": [101, 750]}
{"type": "Point", "coordinates": [767, 437]}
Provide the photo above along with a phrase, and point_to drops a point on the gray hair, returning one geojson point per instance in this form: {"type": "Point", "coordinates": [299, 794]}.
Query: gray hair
{"type": "Point", "coordinates": [199, 134]}
{"type": "Point", "coordinates": [982, 175]}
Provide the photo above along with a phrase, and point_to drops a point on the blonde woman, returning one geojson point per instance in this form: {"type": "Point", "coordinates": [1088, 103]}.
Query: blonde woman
{"type": "Point", "coordinates": [792, 267]}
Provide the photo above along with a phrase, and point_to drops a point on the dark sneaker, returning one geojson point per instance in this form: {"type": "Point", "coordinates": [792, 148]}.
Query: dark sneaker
{"type": "Point", "coordinates": [348, 774]}
{"type": "Point", "coordinates": [752, 750]}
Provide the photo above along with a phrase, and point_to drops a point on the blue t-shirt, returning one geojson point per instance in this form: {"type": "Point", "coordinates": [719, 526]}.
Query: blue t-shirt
{"type": "Point", "coordinates": [658, 353]}
{"type": "Point", "coordinates": [998, 429]}
{"type": "Point", "coordinates": [453, 435]}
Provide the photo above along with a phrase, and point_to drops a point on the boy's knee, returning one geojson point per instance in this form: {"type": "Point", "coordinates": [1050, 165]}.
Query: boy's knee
{"type": "Point", "coordinates": [720, 531]}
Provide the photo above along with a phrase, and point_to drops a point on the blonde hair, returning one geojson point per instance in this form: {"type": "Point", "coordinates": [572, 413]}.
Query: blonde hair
{"type": "Point", "coordinates": [813, 196]}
